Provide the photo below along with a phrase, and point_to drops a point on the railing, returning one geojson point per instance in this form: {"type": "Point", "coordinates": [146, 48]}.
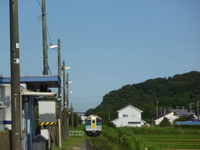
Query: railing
{"type": "Point", "coordinates": [76, 133]}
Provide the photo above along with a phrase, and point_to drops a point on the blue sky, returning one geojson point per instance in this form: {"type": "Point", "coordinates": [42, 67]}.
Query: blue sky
{"type": "Point", "coordinates": [107, 43]}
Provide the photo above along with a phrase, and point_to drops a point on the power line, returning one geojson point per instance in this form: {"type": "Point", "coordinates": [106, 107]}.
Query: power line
{"type": "Point", "coordinates": [46, 24]}
{"type": "Point", "coordinates": [86, 103]}
{"type": "Point", "coordinates": [39, 4]}
{"type": "Point", "coordinates": [86, 97]}
{"type": "Point", "coordinates": [49, 35]}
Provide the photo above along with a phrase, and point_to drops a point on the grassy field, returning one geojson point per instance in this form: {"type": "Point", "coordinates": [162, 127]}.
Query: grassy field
{"type": "Point", "coordinates": [72, 142]}
{"type": "Point", "coordinates": [154, 138]}
{"type": "Point", "coordinates": [133, 138]}
{"type": "Point", "coordinates": [174, 141]}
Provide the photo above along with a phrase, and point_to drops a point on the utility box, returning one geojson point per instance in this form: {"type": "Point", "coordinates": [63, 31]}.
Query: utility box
{"type": "Point", "coordinates": [47, 112]}
{"type": "Point", "coordinates": [5, 107]}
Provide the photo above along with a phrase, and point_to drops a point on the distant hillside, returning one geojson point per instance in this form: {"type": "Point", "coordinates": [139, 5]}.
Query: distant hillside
{"type": "Point", "coordinates": [172, 92]}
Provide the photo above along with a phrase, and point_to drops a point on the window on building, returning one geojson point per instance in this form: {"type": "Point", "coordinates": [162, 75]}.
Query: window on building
{"type": "Point", "coordinates": [134, 122]}
{"type": "Point", "coordinates": [125, 115]}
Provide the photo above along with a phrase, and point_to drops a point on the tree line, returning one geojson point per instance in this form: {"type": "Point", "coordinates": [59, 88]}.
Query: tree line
{"type": "Point", "coordinates": [172, 92]}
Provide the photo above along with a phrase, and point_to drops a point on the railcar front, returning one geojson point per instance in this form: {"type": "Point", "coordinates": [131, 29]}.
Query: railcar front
{"type": "Point", "coordinates": [93, 125]}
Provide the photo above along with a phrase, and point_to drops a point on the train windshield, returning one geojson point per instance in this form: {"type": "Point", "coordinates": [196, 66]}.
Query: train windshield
{"type": "Point", "coordinates": [98, 121]}
{"type": "Point", "coordinates": [88, 121]}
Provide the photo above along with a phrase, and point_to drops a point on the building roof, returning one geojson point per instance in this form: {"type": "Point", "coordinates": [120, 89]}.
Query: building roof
{"type": "Point", "coordinates": [181, 112]}
{"type": "Point", "coordinates": [52, 81]}
{"type": "Point", "coordinates": [131, 107]}
{"type": "Point", "coordinates": [166, 116]}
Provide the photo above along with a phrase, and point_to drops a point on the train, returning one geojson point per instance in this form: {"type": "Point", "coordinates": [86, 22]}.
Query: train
{"type": "Point", "coordinates": [93, 125]}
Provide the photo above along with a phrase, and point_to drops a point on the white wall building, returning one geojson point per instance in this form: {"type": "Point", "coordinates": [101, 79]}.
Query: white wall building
{"type": "Point", "coordinates": [83, 118]}
{"type": "Point", "coordinates": [129, 116]}
{"type": "Point", "coordinates": [5, 109]}
{"type": "Point", "coordinates": [169, 116]}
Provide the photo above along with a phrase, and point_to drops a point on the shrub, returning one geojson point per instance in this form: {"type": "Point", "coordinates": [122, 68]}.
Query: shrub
{"type": "Point", "coordinates": [165, 122]}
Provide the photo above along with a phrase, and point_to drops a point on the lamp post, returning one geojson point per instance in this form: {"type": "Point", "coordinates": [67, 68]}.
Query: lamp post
{"type": "Point", "coordinates": [65, 98]}
{"type": "Point", "coordinates": [59, 95]}
{"type": "Point", "coordinates": [67, 103]}
{"type": "Point", "coordinates": [157, 108]}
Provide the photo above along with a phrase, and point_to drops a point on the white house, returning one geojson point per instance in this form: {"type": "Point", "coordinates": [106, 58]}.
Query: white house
{"type": "Point", "coordinates": [129, 116]}
{"type": "Point", "coordinates": [83, 117]}
{"type": "Point", "coordinates": [169, 116]}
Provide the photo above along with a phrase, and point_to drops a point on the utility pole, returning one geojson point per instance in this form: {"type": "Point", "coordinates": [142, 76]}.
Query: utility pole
{"type": "Point", "coordinates": [67, 129]}
{"type": "Point", "coordinates": [157, 109]}
{"type": "Point", "coordinates": [198, 109]}
{"type": "Point", "coordinates": [72, 116]}
{"type": "Point", "coordinates": [161, 111]}
{"type": "Point", "coordinates": [64, 98]}
{"type": "Point", "coordinates": [59, 96]}
{"type": "Point", "coordinates": [44, 33]}
{"type": "Point", "coordinates": [77, 119]}
{"type": "Point", "coordinates": [15, 77]}
{"type": "Point", "coordinates": [191, 107]}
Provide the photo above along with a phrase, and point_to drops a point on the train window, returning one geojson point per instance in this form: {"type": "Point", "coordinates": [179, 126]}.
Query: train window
{"type": "Point", "coordinates": [88, 121]}
{"type": "Point", "coordinates": [98, 120]}
{"type": "Point", "coordinates": [93, 121]}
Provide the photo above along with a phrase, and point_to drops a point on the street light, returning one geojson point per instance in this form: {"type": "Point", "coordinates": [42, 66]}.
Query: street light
{"type": "Point", "coordinates": [59, 94]}
{"type": "Point", "coordinates": [66, 83]}
{"type": "Point", "coordinates": [157, 108]}
{"type": "Point", "coordinates": [53, 46]}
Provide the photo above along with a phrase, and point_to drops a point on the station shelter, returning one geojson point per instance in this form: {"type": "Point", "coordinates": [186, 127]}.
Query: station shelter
{"type": "Point", "coordinates": [32, 89]}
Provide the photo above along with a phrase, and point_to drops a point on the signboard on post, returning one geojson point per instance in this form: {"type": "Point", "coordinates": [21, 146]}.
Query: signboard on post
{"type": "Point", "coordinates": [47, 112]}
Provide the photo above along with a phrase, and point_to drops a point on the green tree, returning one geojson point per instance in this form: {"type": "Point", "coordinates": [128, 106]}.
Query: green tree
{"type": "Point", "coordinates": [165, 122]}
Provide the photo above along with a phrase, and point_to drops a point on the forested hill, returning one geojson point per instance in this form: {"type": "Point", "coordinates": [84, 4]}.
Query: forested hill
{"type": "Point", "coordinates": [172, 92]}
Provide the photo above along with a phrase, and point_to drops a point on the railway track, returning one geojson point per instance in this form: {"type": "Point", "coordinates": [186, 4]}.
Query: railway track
{"type": "Point", "coordinates": [99, 143]}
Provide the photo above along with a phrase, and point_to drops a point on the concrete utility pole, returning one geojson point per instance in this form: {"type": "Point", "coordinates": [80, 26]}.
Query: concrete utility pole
{"type": "Point", "coordinates": [67, 129]}
{"type": "Point", "coordinates": [161, 111]}
{"type": "Point", "coordinates": [191, 107]}
{"type": "Point", "coordinates": [72, 116]}
{"type": "Point", "coordinates": [44, 33]}
{"type": "Point", "coordinates": [15, 77]}
{"type": "Point", "coordinates": [64, 98]}
{"type": "Point", "coordinates": [59, 96]}
{"type": "Point", "coordinates": [77, 119]}
{"type": "Point", "coordinates": [157, 108]}
{"type": "Point", "coordinates": [198, 109]}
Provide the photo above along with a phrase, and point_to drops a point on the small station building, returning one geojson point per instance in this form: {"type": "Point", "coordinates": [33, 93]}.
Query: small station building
{"type": "Point", "coordinates": [34, 89]}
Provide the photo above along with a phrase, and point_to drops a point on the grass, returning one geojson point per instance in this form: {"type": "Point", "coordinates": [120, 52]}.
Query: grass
{"type": "Point", "coordinates": [153, 138]}
{"type": "Point", "coordinates": [174, 141]}
{"type": "Point", "coordinates": [71, 142]}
